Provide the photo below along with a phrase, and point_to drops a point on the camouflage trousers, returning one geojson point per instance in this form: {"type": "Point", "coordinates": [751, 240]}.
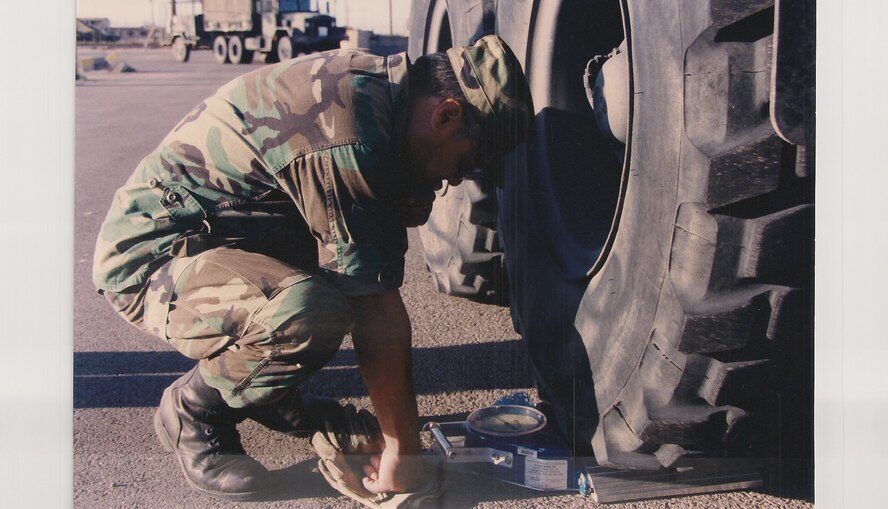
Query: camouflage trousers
{"type": "Point", "coordinates": [258, 326]}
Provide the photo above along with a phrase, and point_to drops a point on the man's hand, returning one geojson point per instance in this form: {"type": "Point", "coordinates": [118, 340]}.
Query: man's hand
{"type": "Point", "coordinates": [391, 473]}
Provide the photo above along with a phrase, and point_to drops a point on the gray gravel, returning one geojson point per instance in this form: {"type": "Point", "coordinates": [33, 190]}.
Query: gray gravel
{"type": "Point", "coordinates": [466, 355]}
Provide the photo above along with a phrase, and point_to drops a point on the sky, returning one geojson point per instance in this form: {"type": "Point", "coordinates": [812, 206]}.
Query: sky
{"type": "Point", "coordinates": [363, 14]}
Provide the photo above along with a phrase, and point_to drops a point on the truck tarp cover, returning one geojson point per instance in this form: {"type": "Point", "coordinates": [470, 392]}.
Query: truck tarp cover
{"type": "Point", "coordinates": [228, 11]}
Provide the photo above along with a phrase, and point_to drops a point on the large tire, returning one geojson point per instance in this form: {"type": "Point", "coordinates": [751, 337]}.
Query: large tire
{"type": "Point", "coordinates": [236, 52]}
{"type": "Point", "coordinates": [698, 323]}
{"type": "Point", "coordinates": [459, 241]}
{"type": "Point", "coordinates": [181, 49]}
{"type": "Point", "coordinates": [220, 49]}
{"type": "Point", "coordinates": [666, 301]}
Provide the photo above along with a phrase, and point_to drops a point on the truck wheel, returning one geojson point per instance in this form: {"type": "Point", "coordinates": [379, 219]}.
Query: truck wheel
{"type": "Point", "coordinates": [284, 48]}
{"type": "Point", "coordinates": [181, 50]}
{"type": "Point", "coordinates": [663, 289]}
{"type": "Point", "coordinates": [698, 316]}
{"type": "Point", "coordinates": [236, 52]}
{"type": "Point", "coordinates": [459, 240]}
{"type": "Point", "coordinates": [220, 49]}
{"type": "Point", "coordinates": [460, 245]}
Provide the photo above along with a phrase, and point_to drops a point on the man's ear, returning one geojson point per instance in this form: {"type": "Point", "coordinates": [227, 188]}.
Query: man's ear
{"type": "Point", "coordinates": [447, 116]}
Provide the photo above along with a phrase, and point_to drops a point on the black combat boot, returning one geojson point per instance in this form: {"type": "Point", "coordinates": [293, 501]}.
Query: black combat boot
{"type": "Point", "coordinates": [298, 415]}
{"type": "Point", "coordinates": [195, 423]}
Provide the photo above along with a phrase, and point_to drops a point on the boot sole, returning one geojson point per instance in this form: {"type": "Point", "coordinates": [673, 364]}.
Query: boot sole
{"type": "Point", "coordinates": [166, 442]}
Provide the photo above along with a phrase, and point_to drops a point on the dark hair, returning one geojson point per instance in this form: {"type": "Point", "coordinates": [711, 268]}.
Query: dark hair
{"type": "Point", "coordinates": [432, 75]}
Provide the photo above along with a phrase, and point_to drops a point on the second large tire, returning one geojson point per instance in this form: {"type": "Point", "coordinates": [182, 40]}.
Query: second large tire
{"type": "Point", "coordinates": [461, 247]}
{"type": "Point", "coordinates": [460, 242]}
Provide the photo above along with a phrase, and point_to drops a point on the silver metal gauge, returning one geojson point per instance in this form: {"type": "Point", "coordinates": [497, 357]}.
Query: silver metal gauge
{"type": "Point", "coordinates": [506, 420]}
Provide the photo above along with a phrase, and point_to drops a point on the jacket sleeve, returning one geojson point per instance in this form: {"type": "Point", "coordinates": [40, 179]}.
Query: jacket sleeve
{"type": "Point", "coordinates": [350, 197]}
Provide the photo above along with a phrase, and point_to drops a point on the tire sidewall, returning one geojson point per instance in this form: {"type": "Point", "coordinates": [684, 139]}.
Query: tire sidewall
{"type": "Point", "coordinates": [622, 298]}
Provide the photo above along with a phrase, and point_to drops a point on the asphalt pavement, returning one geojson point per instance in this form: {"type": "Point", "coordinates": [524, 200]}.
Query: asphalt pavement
{"type": "Point", "coordinates": [466, 354]}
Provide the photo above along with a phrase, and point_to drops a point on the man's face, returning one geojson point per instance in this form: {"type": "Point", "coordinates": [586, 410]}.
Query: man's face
{"type": "Point", "coordinates": [438, 144]}
{"type": "Point", "coordinates": [451, 160]}
{"type": "Point", "coordinates": [439, 149]}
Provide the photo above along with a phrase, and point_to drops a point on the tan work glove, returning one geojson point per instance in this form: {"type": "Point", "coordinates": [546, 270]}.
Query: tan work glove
{"type": "Point", "coordinates": [344, 449]}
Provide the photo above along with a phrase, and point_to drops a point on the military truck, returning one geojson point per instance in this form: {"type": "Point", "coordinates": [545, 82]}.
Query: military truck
{"type": "Point", "coordinates": [236, 29]}
{"type": "Point", "coordinates": [654, 240]}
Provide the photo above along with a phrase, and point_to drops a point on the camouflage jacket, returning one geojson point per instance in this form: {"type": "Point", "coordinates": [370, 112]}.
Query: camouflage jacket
{"type": "Point", "coordinates": [325, 131]}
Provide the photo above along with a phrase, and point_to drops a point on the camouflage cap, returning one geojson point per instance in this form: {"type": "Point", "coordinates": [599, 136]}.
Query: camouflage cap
{"type": "Point", "coordinates": [492, 80]}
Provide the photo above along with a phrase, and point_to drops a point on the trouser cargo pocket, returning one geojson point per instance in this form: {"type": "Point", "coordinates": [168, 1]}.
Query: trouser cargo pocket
{"type": "Point", "coordinates": [259, 325]}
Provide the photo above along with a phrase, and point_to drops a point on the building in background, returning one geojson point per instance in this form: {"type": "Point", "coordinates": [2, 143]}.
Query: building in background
{"type": "Point", "coordinates": [100, 24]}
{"type": "Point", "coordinates": [95, 30]}
{"type": "Point", "coordinates": [131, 34]}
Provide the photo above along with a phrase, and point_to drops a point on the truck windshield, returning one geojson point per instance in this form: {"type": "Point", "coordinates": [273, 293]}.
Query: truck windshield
{"type": "Point", "coordinates": [295, 6]}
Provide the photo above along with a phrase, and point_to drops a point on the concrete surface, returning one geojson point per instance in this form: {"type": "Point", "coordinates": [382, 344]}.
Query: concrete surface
{"type": "Point", "coordinates": [466, 354]}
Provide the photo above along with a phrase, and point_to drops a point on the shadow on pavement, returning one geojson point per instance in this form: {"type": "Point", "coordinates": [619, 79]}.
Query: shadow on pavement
{"type": "Point", "coordinates": [301, 481]}
{"type": "Point", "coordinates": [125, 379]}
{"type": "Point", "coordinates": [466, 490]}
{"type": "Point", "coordinates": [137, 379]}
{"type": "Point", "coordinates": [298, 481]}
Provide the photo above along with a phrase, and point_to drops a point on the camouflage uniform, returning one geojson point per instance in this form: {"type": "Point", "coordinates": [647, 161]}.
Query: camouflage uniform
{"type": "Point", "coordinates": [211, 244]}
